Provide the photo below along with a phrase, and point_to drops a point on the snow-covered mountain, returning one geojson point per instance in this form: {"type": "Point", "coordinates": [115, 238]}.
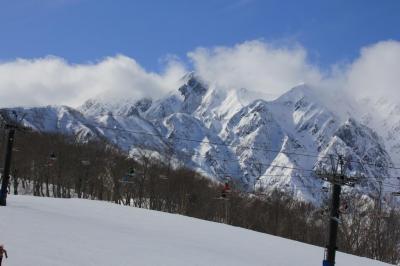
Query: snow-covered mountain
{"type": "Point", "coordinates": [384, 116]}
{"type": "Point", "coordinates": [260, 144]}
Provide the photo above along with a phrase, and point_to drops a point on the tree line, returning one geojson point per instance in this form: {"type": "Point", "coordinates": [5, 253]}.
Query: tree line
{"type": "Point", "coordinates": [54, 165]}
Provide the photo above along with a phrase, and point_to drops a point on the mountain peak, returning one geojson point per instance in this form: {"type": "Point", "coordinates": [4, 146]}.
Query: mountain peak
{"type": "Point", "coordinates": [304, 120]}
{"type": "Point", "coordinates": [192, 85]}
{"type": "Point", "coordinates": [139, 107]}
{"type": "Point", "coordinates": [297, 93]}
{"type": "Point", "coordinates": [193, 91]}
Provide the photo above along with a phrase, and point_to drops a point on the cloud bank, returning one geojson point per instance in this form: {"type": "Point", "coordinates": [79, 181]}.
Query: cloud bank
{"type": "Point", "coordinates": [376, 73]}
{"type": "Point", "coordinates": [255, 65]}
{"type": "Point", "coordinates": [52, 80]}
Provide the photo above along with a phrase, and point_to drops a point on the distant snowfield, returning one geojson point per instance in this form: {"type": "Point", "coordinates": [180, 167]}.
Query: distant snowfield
{"type": "Point", "coordinates": [51, 232]}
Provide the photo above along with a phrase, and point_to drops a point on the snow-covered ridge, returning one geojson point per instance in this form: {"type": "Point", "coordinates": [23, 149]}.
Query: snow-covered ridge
{"type": "Point", "coordinates": [211, 129]}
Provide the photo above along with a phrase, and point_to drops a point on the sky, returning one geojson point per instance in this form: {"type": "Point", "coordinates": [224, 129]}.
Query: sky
{"type": "Point", "coordinates": [65, 51]}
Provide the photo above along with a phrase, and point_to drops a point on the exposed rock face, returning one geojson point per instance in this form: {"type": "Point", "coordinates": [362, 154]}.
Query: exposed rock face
{"type": "Point", "coordinates": [261, 144]}
{"type": "Point", "coordinates": [193, 91]}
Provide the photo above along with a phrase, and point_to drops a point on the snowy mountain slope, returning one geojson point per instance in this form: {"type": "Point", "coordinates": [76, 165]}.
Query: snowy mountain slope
{"type": "Point", "coordinates": [188, 140]}
{"type": "Point", "coordinates": [220, 105]}
{"type": "Point", "coordinates": [261, 144]}
{"type": "Point", "coordinates": [164, 107]}
{"type": "Point", "coordinates": [360, 144]}
{"type": "Point", "coordinates": [254, 126]}
{"type": "Point", "coordinates": [125, 107]}
{"type": "Point", "coordinates": [58, 232]}
{"type": "Point", "coordinates": [308, 125]}
{"type": "Point", "coordinates": [384, 116]}
{"type": "Point", "coordinates": [57, 119]}
{"type": "Point", "coordinates": [121, 130]}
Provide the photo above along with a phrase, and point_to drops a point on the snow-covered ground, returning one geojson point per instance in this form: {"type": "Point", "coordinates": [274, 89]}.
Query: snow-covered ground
{"type": "Point", "coordinates": [46, 231]}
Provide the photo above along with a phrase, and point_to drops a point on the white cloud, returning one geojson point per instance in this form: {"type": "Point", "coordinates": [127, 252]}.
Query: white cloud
{"type": "Point", "coordinates": [376, 73]}
{"type": "Point", "coordinates": [260, 66]}
{"type": "Point", "coordinates": [52, 80]}
{"type": "Point", "coordinates": [255, 65]}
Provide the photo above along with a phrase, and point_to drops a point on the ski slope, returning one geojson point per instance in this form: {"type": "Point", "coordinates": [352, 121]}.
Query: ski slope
{"type": "Point", "coordinates": [57, 232]}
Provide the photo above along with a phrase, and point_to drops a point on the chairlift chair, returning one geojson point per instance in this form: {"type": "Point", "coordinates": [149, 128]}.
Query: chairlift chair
{"type": "Point", "coordinates": [259, 193]}
{"type": "Point", "coordinates": [85, 162]}
{"type": "Point", "coordinates": [127, 179]}
{"type": "Point", "coordinates": [323, 211]}
{"type": "Point", "coordinates": [226, 190]}
{"type": "Point", "coordinates": [163, 177]}
{"type": "Point", "coordinates": [52, 156]}
{"type": "Point", "coordinates": [51, 159]}
{"type": "Point", "coordinates": [382, 216]}
{"type": "Point", "coordinates": [344, 208]}
{"type": "Point", "coordinates": [131, 172]}
{"type": "Point", "coordinates": [336, 219]}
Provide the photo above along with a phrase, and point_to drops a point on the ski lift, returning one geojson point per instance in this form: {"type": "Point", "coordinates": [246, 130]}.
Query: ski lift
{"type": "Point", "coordinates": [126, 180]}
{"type": "Point", "coordinates": [85, 162]}
{"type": "Point", "coordinates": [50, 159]}
{"type": "Point", "coordinates": [326, 263]}
{"type": "Point", "coordinates": [382, 216]}
{"type": "Point", "coordinates": [259, 192]}
{"type": "Point", "coordinates": [324, 211]}
{"type": "Point", "coordinates": [381, 164]}
{"type": "Point", "coordinates": [163, 177]}
{"type": "Point", "coordinates": [128, 177]}
{"type": "Point", "coordinates": [131, 172]}
{"type": "Point", "coordinates": [227, 178]}
{"type": "Point", "coordinates": [336, 219]}
{"type": "Point", "coordinates": [226, 190]}
{"type": "Point", "coordinates": [344, 208]}
{"type": "Point", "coordinates": [52, 156]}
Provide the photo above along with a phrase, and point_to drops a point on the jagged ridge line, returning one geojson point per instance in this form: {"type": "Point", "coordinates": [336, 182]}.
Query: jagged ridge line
{"type": "Point", "coordinates": [214, 143]}
{"type": "Point", "coordinates": [241, 146]}
{"type": "Point", "coordinates": [231, 145]}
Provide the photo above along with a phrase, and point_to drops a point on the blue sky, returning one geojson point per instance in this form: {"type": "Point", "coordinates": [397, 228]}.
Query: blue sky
{"type": "Point", "coordinates": [66, 51]}
{"type": "Point", "coordinates": [88, 30]}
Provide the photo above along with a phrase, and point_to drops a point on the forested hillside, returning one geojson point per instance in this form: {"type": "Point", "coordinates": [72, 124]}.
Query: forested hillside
{"type": "Point", "coordinates": [52, 165]}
